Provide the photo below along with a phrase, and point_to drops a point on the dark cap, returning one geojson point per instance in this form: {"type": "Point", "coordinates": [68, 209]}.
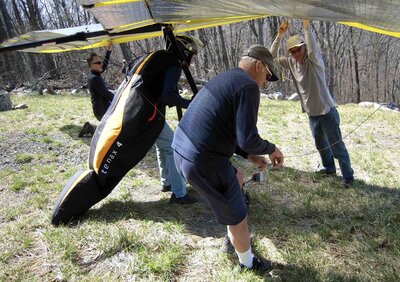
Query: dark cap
{"type": "Point", "coordinates": [261, 53]}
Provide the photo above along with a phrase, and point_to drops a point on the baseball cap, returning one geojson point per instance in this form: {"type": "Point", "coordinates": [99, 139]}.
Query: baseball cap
{"type": "Point", "coordinates": [261, 53]}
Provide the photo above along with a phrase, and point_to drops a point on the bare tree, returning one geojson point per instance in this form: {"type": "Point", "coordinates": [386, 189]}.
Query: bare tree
{"type": "Point", "coordinates": [359, 65]}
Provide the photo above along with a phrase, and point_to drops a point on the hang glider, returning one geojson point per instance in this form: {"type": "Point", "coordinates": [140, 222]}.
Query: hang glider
{"type": "Point", "coordinates": [129, 20]}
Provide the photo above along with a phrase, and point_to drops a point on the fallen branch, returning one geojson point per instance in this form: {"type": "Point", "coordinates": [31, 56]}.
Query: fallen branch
{"type": "Point", "coordinates": [196, 80]}
{"type": "Point", "coordinates": [42, 77]}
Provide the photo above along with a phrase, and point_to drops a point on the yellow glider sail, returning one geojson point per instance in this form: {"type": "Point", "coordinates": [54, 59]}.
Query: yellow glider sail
{"type": "Point", "coordinates": [119, 17]}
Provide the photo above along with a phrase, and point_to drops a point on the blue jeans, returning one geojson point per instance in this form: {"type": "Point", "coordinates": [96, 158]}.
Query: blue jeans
{"type": "Point", "coordinates": [326, 132]}
{"type": "Point", "coordinates": [166, 165]}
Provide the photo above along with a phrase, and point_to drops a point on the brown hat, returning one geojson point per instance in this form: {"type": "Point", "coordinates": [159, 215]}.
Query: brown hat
{"type": "Point", "coordinates": [295, 41]}
{"type": "Point", "coordinates": [261, 53]}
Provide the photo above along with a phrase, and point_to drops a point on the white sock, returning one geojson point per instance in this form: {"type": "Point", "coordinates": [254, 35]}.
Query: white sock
{"type": "Point", "coordinates": [246, 258]}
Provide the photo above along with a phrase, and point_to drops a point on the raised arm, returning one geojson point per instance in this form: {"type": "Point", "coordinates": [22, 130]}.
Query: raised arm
{"type": "Point", "coordinates": [313, 49]}
{"type": "Point", "coordinates": [107, 56]}
{"type": "Point", "coordinates": [282, 60]}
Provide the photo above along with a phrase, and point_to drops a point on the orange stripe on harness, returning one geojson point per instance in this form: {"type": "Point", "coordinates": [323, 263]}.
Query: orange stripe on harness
{"type": "Point", "coordinates": [154, 113]}
{"type": "Point", "coordinates": [113, 125]}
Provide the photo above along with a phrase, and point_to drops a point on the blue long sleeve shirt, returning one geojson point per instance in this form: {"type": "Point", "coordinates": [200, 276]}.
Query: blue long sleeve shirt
{"type": "Point", "coordinates": [221, 117]}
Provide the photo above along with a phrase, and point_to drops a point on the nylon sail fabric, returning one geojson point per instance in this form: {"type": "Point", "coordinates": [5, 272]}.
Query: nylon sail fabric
{"type": "Point", "coordinates": [375, 15]}
{"type": "Point", "coordinates": [115, 16]}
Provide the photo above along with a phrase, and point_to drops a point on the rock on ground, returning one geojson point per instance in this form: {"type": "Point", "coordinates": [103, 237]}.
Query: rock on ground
{"type": "Point", "coordinates": [384, 107]}
{"type": "Point", "coordinates": [275, 96]}
{"type": "Point", "coordinates": [5, 101]}
{"type": "Point", "coordinates": [294, 97]}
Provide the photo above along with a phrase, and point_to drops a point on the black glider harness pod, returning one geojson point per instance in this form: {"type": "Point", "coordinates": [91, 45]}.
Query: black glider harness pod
{"type": "Point", "coordinates": [127, 131]}
{"type": "Point", "coordinates": [78, 195]}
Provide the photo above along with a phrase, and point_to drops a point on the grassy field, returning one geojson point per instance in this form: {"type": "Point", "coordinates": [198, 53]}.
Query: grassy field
{"type": "Point", "coordinates": [309, 226]}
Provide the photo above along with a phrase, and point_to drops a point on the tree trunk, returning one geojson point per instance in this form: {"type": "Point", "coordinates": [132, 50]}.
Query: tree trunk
{"type": "Point", "coordinates": [27, 69]}
{"type": "Point", "coordinates": [217, 52]}
{"type": "Point", "coordinates": [18, 17]}
{"type": "Point", "coordinates": [260, 23]}
{"type": "Point", "coordinates": [330, 67]}
{"type": "Point", "coordinates": [356, 68]}
{"type": "Point", "coordinates": [126, 52]}
{"type": "Point", "coordinates": [9, 29]}
{"type": "Point", "coordinates": [223, 47]}
{"type": "Point", "coordinates": [33, 15]}
{"type": "Point", "coordinates": [253, 29]}
{"type": "Point", "coordinates": [147, 44]}
{"type": "Point", "coordinates": [273, 23]}
{"type": "Point", "coordinates": [206, 52]}
{"type": "Point", "coordinates": [38, 15]}
{"type": "Point", "coordinates": [66, 13]}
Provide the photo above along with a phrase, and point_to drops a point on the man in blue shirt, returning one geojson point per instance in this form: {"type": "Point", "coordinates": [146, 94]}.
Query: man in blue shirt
{"type": "Point", "coordinates": [221, 121]}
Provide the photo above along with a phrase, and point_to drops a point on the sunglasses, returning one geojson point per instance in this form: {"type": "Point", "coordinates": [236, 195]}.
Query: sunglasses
{"type": "Point", "coordinates": [295, 50]}
{"type": "Point", "coordinates": [269, 73]}
{"type": "Point", "coordinates": [97, 63]}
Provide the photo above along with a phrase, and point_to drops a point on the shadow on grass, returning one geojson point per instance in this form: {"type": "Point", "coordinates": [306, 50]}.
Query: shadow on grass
{"type": "Point", "coordinates": [197, 218]}
{"type": "Point", "coordinates": [73, 130]}
{"type": "Point", "coordinates": [294, 207]}
{"type": "Point", "coordinates": [309, 215]}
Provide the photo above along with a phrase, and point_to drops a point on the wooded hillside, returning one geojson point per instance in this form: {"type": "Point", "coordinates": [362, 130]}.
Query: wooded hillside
{"type": "Point", "coordinates": [360, 65]}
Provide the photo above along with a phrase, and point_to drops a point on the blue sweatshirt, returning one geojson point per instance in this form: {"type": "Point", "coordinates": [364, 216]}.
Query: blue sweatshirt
{"type": "Point", "coordinates": [222, 117]}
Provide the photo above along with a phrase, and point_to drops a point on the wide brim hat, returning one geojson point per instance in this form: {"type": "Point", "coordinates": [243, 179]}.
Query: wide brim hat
{"type": "Point", "coordinates": [295, 41]}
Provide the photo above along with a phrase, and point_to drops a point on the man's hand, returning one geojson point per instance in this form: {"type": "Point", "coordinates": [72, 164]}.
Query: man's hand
{"type": "Point", "coordinates": [306, 23]}
{"type": "Point", "coordinates": [276, 158]}
{"type": "Point", "coordinates": [259, 161]}
{"type": "Point", "coordinates": [283, 28]}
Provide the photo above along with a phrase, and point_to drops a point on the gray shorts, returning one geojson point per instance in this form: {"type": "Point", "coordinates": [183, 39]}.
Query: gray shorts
{"type": "Point", "coordinates": [217, 182]}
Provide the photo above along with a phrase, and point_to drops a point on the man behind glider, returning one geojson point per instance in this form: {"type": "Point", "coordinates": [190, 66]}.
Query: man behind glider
{"type": "Point", "coordinates": [100, 96]}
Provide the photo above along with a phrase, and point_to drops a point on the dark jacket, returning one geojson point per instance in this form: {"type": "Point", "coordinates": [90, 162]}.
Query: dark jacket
{"type": "Point", "coordinates": [221, 118]}
{"type": "Point", "coordinates": [100, 96]}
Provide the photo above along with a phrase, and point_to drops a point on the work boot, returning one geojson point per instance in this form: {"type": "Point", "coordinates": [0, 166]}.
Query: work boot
{"type": "Point", "coordinates": [166, 188]}
{"type": "Point", "coordinates": [87, 130]}
{"type": "Point", "coordinates": [259, 266]}
{"type": "Point", "coordinates": [324, 171]}
{"type": "Point", "coordinates": [185, 200]}
{"type": "Point", "coordinates": [348, 183]}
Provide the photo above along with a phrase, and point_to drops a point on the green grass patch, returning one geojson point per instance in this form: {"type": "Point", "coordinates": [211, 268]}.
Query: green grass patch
{"type": "Point", "coordinates": [15, 240]}
{"type": "Point", "coordinates": [23, 158]}
{"type": "Point", "coordinates": [19, 185]}
{"type": "Point", "coordinates": [160, 257]}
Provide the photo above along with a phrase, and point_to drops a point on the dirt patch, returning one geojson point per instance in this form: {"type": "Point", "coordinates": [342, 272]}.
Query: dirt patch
{"type": "Point", "coordinates": [18, 143]}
